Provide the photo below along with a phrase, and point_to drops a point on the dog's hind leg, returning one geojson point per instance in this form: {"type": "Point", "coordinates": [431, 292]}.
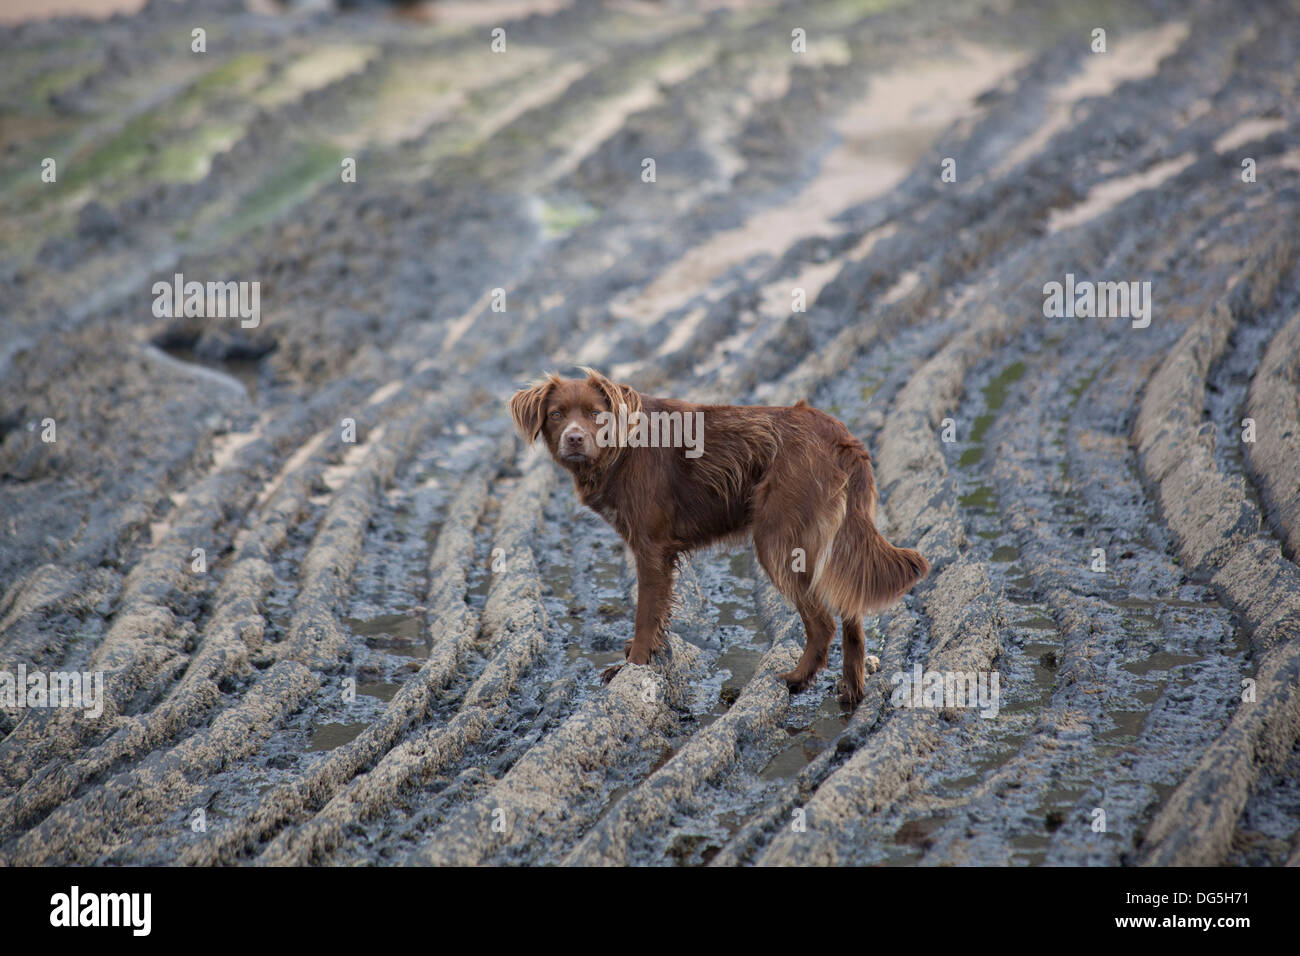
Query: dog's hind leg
{"type": "Point", "coordinates": [818, 623]}
{"type": "Point", "coordinates": [855, 656]}
{"type": "Point", "coordinates": [796, 517]}
{"type": "Point", "coordinates": [819, 628]}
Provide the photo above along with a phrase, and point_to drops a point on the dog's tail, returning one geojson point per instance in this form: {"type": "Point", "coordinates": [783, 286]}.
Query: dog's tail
{"type": "Point", "coordinates": [861, 573]}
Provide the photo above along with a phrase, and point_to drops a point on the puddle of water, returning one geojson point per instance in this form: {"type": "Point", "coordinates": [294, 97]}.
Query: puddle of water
{"type": "Point", "coordinates": [601, 659]}
{"type": "Point", "coordinates": [918, 832]}
{"type": "Point", "coordinates": [1149, 695]}
{"type": "Point", "coordinates": [806, 742]}
{"type": "Point", "coordinates": [476, 590]}
{"type": "Point", "coordinates": [1128, 726]}
{"type": "Point", "coordinates": [787, 763]}
{"type": "Point", "coordinates": [1046, 658]}
{"type": "Point", "coordinates": [1141, 621]}
{"type": "Point", "coordinates": [1158, 662]}
{"type": "Point", "coordinates": [742, 662]}
{"type": "Point", "coordinates": [330, 736]}
{"type": "Point", "coordinates": [995, 757]}
{"type": "Point", "coordinates": [385, 692]}
{"type": "Point", "coordinates": [236, 374]}
{"type": "Point", "coordinates": [1038, 623]}
{"type": "Point", "coordinates": [608, 575]}
{"type": "Point", "coordinates": [1134, 602]}
{"type": "Point", "coordinates": [1051, 813]}
{"type": "Point", "coordinates": [558, 579]}
{"type": "Point", "coordinates": [736, 614]}
{"type": "Point", "coordinates": [401, 634]}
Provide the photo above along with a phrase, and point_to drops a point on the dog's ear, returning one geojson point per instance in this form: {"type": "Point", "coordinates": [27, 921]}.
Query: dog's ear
{"type": "Point", "coordinates": [528, 408]}
{"type": "Point", "coordinates": [615, 394]}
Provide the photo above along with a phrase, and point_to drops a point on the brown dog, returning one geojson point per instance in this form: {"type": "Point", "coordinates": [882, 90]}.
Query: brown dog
{"type": "Point", "coordinates": [672, 477]}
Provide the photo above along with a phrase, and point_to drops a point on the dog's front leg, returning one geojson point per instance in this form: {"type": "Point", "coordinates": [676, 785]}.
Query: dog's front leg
{"type": "Point", "coordinates": [654, 593]}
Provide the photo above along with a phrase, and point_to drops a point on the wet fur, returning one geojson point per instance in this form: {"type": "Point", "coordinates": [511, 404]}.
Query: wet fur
{"type": "Point", "coordinates": [789, 477]}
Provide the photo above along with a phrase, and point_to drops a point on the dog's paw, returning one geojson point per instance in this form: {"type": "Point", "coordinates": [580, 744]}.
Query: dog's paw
{"type": "Point", "coordinates": [638, 653]}
{"type": "Point", "coordinates": [849, 694]}
{"type": "Point", "coordinates": [641, 655]}
{"type": "Point", "coordinates": [608, 673]}
{"type": "Point", "coordinates": [795, 683]}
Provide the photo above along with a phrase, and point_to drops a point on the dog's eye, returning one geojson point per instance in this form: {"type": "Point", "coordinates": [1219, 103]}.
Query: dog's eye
{"type": "Point", "coordinates": [555, 415]}
{"type": "Point", "coordinates": [595, 413]}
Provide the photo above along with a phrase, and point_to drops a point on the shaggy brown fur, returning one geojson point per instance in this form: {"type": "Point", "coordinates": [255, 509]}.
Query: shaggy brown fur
{"type": "Point", "coordinates": [793, 478]}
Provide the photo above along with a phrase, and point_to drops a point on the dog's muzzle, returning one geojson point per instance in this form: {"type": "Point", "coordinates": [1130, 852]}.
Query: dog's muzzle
{"type": "Point", "coordinates": [574, 444]}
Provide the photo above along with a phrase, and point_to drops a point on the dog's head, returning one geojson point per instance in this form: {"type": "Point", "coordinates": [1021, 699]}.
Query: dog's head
{"type": "Point", "coordinates": [577, 417]}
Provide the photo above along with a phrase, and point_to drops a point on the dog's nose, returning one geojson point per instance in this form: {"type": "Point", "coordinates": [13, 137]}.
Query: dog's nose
{"type": "Point", "coordinates": [573, 440]}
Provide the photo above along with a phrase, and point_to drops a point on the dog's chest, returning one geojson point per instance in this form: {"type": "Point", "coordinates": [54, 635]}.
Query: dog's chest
{"type": "Point", "coordinates": [604, 506]}
{"type": "Point", "coordinates": [607, 511]}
